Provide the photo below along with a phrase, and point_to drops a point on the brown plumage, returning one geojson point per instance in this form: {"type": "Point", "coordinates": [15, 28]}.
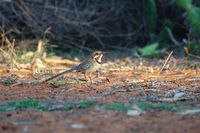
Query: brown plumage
{"type": "Point", "coordinates": [86, 67]}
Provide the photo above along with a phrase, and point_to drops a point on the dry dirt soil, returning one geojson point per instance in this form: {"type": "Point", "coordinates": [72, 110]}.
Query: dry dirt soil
{"type": "Point", "coordinates": [116, 91]}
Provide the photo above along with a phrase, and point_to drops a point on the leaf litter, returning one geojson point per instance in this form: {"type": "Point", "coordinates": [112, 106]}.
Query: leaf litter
{"type": "Point", "coordinates": [161, 94]}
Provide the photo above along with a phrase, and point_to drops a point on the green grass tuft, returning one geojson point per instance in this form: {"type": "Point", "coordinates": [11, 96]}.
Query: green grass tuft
{"type": "Point", "coordinates": [24, 104]}
{"type": "Point", "coordinates": [162, 106]}
{"type": "Point", "coordinates": [118, 107]}
{"type": "Point", "coordinates": [133, 86]}
{"type": "Point", "coordinates": [79, 105]}
{"type": "Point", "coordinates": [59, 82]}
{"type": "Point", "coordinates": [151, 50]}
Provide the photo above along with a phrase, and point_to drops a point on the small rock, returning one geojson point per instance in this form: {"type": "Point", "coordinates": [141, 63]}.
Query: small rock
{"type": "Point", "coordinates": [179, 94]}
{"type": "Point", "coordinates": [56, 107]}
{"type": "Point", "coordinates": [77, 126]}
{"type": "Point", "coordinates": [133, 113]}
{"type": "Point", "coordinates": [190, 112]}
{"type": "Point", "coordinates": [151, 98]}
{"type": "Point", "coordinates": [170, 93]}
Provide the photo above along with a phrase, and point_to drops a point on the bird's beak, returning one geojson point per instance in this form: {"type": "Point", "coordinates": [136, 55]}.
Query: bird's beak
{"type": "Point", "coordinates": [104, 52]}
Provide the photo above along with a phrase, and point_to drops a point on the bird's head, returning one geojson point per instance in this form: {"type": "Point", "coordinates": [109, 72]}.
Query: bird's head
{"type": "Point", "coordinates": [97, 55]}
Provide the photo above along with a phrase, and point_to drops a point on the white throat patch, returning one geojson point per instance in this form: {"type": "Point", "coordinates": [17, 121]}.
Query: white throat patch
{"type": "Point", "coordinates": [98, 58]}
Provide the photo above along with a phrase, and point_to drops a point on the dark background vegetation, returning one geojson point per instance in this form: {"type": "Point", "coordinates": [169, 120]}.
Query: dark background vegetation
{"type": "Point", "coordinates": [104, 24]}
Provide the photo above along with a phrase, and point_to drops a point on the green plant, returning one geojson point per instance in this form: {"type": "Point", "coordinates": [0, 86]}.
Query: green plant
{"type": "Point", "coordinates": [24, 104]}
{"type": "Point", "coordinates": [193, 14]}
{"type": "Point", "coordinates": [150, 11]}
{"type": "Point", "coordinates": [161, 106]}
{"type": "Point", "coordinates": [133, 86]}
{"type": "Point", "coordinates": [59, 82]}
{"type": "Point", "coordinates": [118, 107]}
{"type": "Point", "coordinates": [7, 50]}
{"type": "Point", "coordinates": [184, 4]}
{"type": "Point", "coordinates": [34, 104]}
{"type": "Point", "coordinates": [20, 54]}
{"type": "Point", "coordinates": [151, 50]}
{"type": "Point", "coordinates": [79, 104]}
{"type": "Point", "coordinates": [163, 36]}
{"type": "Point", "coordinates": [194, 19]}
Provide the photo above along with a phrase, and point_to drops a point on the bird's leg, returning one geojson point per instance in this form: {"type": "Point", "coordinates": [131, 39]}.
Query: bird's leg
{"type": "Point", "coordinates": [90, 77]}
{"type": "Point", "coordinates": [85, 76]}
{"type": "Point", "coordinates": [97, 74]}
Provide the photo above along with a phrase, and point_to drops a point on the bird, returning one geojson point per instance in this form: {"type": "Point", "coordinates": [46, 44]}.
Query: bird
{"type": "Point", "coordinates": [88, 66]}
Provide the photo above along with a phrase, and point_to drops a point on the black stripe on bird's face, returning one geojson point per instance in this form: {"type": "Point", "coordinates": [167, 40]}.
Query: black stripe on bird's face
{"type": "Point", "coordinates": [98, 58]}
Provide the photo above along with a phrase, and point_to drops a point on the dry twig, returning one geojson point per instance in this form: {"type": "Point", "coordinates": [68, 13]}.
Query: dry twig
{"type": "Point", "coordinates": [166, 61]}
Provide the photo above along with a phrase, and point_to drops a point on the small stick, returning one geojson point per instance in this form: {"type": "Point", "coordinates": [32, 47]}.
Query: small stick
{"type": "Point", "coordinates": [166, 61]}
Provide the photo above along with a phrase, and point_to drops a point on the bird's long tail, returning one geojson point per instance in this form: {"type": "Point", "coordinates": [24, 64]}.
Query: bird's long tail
{"type": "Point", "coordinates": [55, 76]}
{"type": "Point", "coordinates": [42, 81]}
